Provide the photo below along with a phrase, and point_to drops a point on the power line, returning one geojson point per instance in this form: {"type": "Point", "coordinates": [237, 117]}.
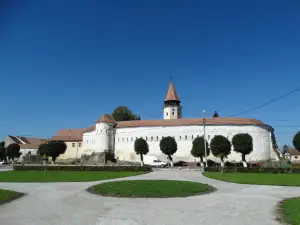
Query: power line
{"type": "Point", "coordinates": [267, 103]}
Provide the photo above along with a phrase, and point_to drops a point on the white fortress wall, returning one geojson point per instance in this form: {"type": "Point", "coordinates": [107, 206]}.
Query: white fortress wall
{"type": "Point", "coordinates": [184, 135]}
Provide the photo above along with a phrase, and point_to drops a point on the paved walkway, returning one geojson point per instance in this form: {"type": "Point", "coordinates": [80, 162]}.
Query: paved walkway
{"type": "Point", "coordinates": [70, 204]}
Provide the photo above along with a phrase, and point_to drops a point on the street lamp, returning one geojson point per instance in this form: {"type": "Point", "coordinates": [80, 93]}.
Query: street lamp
{"type": "Point", "coordinates": [205, 150]}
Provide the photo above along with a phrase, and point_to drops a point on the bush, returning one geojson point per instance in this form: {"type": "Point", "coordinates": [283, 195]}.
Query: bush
{"type": "Point", "coordinates": [180, 163]}
{"type": "Point", "coordinates": [84, 168]}
{"type": "Point", "coordinates": [253, 170]}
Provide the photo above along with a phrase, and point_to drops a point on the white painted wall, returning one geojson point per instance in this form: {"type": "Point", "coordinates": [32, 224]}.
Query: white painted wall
{"type": "Point", "coordinates": [184, 135]}
{"type": "Point", "coordinates": [97, 140]}
{"type": "Point", "coordinates": [171, 112]}
{"type": "Point", "coordinates": [74, 150]}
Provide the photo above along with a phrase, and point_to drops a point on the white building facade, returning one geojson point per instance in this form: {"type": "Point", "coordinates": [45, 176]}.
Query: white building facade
{"type": "Point", "coordinates": [119, 137]}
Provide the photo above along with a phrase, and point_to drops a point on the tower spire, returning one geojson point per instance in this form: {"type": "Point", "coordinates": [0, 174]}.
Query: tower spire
{"type": "Point", "coordinates": [171, 94]}
{"type": "Point", "coordinates": [172, 107]}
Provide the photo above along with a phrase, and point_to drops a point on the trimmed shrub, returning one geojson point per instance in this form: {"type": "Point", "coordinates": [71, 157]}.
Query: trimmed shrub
{"type": "Point", "coordinates": [84, 168]}
{"type": "Point", "coordinates": [253, 170]}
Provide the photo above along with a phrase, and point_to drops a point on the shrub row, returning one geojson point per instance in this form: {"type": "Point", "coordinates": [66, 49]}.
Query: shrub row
{"type": "Point", "coordinates": [253, 170]}
{"type": "Point", "coordinates": [84, 168]}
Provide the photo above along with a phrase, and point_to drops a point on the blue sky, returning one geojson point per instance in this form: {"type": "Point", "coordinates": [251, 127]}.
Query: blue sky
{"type": "Point", "coordinates": [65, 63]}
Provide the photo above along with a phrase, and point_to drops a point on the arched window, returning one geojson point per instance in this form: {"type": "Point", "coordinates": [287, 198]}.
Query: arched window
{"type": "Point", "coordinates": [185, 137]}
{"type": "Point", "coordinates": [151, 138]}
{"type": "Point", "coordinates": [156, 138]}
{"type": "Point", "coordinates": [127, 139]}
{"type": "Point", "coordinates": [208, 137]}
{"type": "Point", "coordinates": [192, 137]}
{"type": "Point", "coordinates": [146, 138]}
{"type": "Point", "coordinates": [179, 137]}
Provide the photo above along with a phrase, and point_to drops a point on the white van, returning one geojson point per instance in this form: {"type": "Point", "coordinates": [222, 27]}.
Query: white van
{"type": "Point", "coordinates": [153, 161]}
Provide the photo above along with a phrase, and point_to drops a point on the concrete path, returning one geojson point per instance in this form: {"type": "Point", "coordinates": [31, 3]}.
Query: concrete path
{"type": "Point", "coordinates": [70, 204]}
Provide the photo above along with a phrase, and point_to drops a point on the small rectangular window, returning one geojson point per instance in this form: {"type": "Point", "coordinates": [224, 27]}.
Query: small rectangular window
{"type": "Point", "coordinates": [192, 137]}
{"type": "Point", "coordinates": [151, 138]}
{"type": "Point", "coordinates": [156, 138]}
{"type": "Point", "coordinates": [173, 113]}
{"type": "Point", "coordinates": [73, 145]}
{"type": "Point", "coordinates": [185, 137]}
{"type": "Point", "coordinates": [79, 144]}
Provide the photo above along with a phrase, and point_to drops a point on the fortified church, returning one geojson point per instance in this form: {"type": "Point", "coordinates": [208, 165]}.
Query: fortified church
{"type": "Point", "coordinates": [119, 137]}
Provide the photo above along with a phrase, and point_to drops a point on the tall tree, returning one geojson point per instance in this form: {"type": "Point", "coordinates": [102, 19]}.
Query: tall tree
{"type": "Point", "coordinates": [56, 148]}
{"type": "Point", "coordinates": [198, 149]}
{"type": "Point", "coordinates": [296, 141]}
{"type": "Point", "coordinates": [243, 143]}
{"type": "Point", "coordinates": [275, 146]}
{"type": "Point", "coordinates": [13, 151]}
{"type": "Point", "coordinates": [220, 147]}
{"type": "Point", "coordinates": [168, 146]}
{"type": "Point", "coordinates": [216, 114]}
{"type": "Point", "coordinates": [122, 113]}
{"type": "Point", "coordinates": [2, 151]}
{"type": "Point", "coordinates": [285, 149]}
{"type": "Point", "coordinates": [43, 151]}
{"type": "Point", "coordinates": [141, 148]}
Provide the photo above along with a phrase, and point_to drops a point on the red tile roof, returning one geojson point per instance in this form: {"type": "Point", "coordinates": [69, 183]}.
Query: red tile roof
{"type": "Point", "coordinates": [106, 118]}
{"type": "Point", "coordinates": [76, 134]}
{"type": "Point", "coordinates": [171, 94]}
{"type": "Point", "coordinates": [69, 135]}
{"type": "Point", "coordinates": [189, 121]}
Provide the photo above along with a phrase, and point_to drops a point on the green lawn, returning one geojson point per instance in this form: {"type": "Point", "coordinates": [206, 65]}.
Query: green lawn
{"type": "Point", "coordinates": [286, 179]}
{"type": "Point", "coordinates": [6, 196]}
{"type": "Point", "coordinates": [291, 211]}
{"type": "Point", "coordinates": [151, 188]}
{"type": "Point", "coordinates": [61, 176]}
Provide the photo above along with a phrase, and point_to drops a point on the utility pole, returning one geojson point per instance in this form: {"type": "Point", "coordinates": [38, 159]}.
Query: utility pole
{"type": "Point", "coordinates": [204, 120]}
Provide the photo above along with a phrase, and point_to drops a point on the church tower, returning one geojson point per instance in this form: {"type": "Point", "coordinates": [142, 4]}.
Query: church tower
{"type": "Point", "coordinates": [172, 107]}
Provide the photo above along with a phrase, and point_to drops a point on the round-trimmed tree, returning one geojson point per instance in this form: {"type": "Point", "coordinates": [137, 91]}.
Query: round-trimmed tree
{"type": "Point", "coordinates": [296, 141]}
{"type": "Point", "coordinates": [56, 148]}
{"type": "Point", "coordinates": [198, 149]}
{"type": "Point", "coordinates": [243, 143]}
{"type": "Point", "coordinates": [13, 151]}
{"type": "Point", "coordinates": [141, 148]}
{"type": "Point", "coordinates": [168, 146]}
{"type": "Point", "coordinates": [220, 147]}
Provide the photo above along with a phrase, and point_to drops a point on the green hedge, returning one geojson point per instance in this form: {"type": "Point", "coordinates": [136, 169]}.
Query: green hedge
{"type": "Point", "coordinates": [253, 170]}
{"type": "Point", "coordinates": [84, 168]}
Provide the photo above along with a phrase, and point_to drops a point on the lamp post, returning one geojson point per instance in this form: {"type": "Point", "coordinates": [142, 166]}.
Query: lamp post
{"type": "Point", "coordinates": [205, 150]}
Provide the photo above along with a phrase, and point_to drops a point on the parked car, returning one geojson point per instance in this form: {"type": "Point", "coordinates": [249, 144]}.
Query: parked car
{"type": "Point", "coordinates": [153, 161]}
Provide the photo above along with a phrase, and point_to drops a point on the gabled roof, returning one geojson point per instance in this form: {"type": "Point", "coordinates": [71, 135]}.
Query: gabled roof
{"type": "Point", "coordinates": [106, 118]}
{"type": "Point", "coordinates": [21, 140]}
{"type": "Point", "coordinates": [293, 151]}
{"type": "Point", "coordinates": [190, 121]}
{"type": "Point", "coordinates": [171, 94]}
{"type": "Point", "coordinates": [69, 135]}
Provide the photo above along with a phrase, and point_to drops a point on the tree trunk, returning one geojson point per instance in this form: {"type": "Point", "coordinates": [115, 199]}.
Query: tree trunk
{"type": "Point", "coordinates": [142, 160]}
{"type": "Point", "coordinates": [45, 164]}
{"type": "Point", "coordinates": [201, 161]}
{"type": "Point", "coordinates": [244, 160]}
{"type": "Point", "coordinates": [222, 165]}
{"type": "Point", "coordinates": [171, 161]}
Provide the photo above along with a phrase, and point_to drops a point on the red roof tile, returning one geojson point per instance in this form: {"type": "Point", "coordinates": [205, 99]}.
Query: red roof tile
{"type": "Point", "coordinates": [171, 94]}
{"type": "Point", "coordinates": [189, 121]}
{"type": "Point", "coordinates": [106, 118]}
